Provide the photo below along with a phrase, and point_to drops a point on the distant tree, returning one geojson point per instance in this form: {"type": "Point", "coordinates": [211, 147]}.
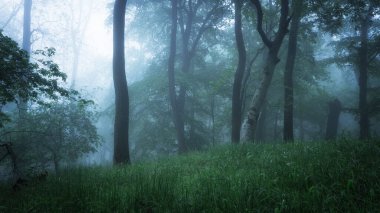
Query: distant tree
{"type": "Point", "coordinates": [121, 128]}
{"type": "Point", "coordinates": [237, 97]}
{"type": "Point", "coordinates": [362, 15]}
{"type": "Point", "coordinates": [194, 19]}
{"type": "Point", "coordinates": [273, 46]}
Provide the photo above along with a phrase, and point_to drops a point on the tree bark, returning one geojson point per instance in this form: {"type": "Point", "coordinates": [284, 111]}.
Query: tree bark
{"type": "Point", "coordinates": [121, 127]}
{"type": "Point", "coordinates": [288, 132]}
{"type": "Point", "coordinates": [363, 80]}
{"type": "Point", "coordinates": [270, 65]}
{"type": "Point", "coordinates": [237, 86]}
{"type": "Point", "coordinates": [335, 107]}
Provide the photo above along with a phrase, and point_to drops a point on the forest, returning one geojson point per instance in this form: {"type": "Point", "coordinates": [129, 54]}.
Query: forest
{"type": "Point", "coordinates": [189, 106]}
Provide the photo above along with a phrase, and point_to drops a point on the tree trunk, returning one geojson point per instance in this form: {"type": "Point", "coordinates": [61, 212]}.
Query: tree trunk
{"type": "Point", "coordinates": [26, 45]}
{"type": "Point", "coordinates": [56, 164]}
{"type": "Point", "coordinates": [178, 120]}
{"type": "Point", "coordinates": [335, 107]}
{"type": "Point", "coordinates": [288, 132]}
{"type": "Point", "coordinates": [27, 25]}
{"type": "Point", "coordinates": [261, 125]}
{"type": "Point", "coordinates": [237, 86]}
{"type": "Point", "coordinates": [259, 98]}
{"type": "Point", "coordinates": [121, 127]}
{"type": "Point", "coordinates": [363, 80]}
{"type": "Point", "coordinates": [270, 64]}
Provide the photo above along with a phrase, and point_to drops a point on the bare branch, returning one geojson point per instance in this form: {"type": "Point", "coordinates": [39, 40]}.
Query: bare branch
{"type": "Point", "coordinates": [206, 24]}
{"type": "Point", "coordinates": [13, 14]}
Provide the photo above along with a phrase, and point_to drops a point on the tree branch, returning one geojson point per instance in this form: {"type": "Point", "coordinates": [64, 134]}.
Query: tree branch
{"type": "Point", "coordinates": [205, 25]}
{"type": "Point", "coordinates": [260, 30]}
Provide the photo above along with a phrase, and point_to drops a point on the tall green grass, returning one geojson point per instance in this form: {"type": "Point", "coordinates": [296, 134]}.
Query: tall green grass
{"type": "Point", "coordinates": [299, 177]}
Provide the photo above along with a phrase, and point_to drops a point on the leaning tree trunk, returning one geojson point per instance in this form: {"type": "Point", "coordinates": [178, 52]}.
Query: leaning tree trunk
{"type": "Point", "coordinates": [288, 135]}
{"type": "Point", "coordinates": [121, 127]}
{"type": "Point", "coordinates": [363, 80]}
{"type": "Point", "coordinates": [237, 86]}
{"type": "Point", "coordinates": [270, 64]}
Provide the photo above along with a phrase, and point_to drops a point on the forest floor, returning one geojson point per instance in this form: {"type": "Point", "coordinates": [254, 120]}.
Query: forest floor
{"type": "Point", "coordinates": [341, 176]}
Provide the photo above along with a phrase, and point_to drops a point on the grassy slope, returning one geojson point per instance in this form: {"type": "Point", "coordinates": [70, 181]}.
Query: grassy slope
{"type": "Point", "coordinates": [307, 177]}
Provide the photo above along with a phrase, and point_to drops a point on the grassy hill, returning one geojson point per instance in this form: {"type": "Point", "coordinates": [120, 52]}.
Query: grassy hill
{"type": "Point", "coordinates": [339, 176]}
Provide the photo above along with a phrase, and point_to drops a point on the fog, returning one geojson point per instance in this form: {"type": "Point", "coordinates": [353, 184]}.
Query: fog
{"type": "Point", "coordinates": [81, 31]}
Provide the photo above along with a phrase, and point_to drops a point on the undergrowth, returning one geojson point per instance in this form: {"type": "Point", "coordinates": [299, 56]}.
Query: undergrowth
{"type": "Point", "coordinates": [338, 176]}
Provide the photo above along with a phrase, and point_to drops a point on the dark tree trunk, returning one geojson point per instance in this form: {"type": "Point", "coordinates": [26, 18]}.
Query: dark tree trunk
{"type": "Point", "coordinates": [177, 117]}
{"type": "Point", "coordinates": [212, 106]}
{"type": "Point", "coordinates": [288, 132]}
{"type": "Point", "coordinates": [363, 80]}
{"type": "Point", "coordinates": [270, 64]}
{"type": "Point", "coordinates": [121, 145]}
{"type": "Point", "coordinates": [237, 86]}
{"type": "Point", "coordinates": [335, 107]}
{"type": "Point", "coordinates": [261, 125]}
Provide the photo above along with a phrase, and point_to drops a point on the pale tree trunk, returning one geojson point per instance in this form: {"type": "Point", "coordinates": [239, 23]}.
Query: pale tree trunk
{"type": "Point", "coordinates": [121, 144]}
{"type": "Point", "coordinates": [26, 45]}
{"type": "Point", "coordinates": [270, 65]}
{"type": "Point", "coordinates": [363, 80]}
{"type": "Point", "coordinates": [77, 31]}
{"type": "Point", "coordinates": [238, 79]}
{"type": "Point", "coordinates": [288, 132]}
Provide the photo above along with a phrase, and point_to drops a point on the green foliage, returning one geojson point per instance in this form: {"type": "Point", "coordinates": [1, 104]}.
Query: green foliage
{"type": "Point", "coordinates": [54, 134]}
{"type": "Point", "coordinates": [301, 177]}
{"type": "Point", "coordinates": [35, 81]}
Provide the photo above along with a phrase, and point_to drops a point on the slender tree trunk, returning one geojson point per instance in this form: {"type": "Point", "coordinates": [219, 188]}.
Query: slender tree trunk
{"type": "Point", "coordinates": [121, 144]}
{"type": "Point", "coordinates": [27, 25]}
{"type": "Point", "coordinates": [261, 125]}
{"type": "Point", "coordinates": [275, 125]}
{"type": "Point", "coordinates": [26, 45]}
{"type": "Point", "coordinates": [213, 119]}
{"type": "Point", "coordinates": [335, 107]}
{"type": "Point", "coordinates": [288, 135]}
{"type": "Point", "coordinates": [237, 86]}
{"type": "Point", "coordinates": [363, 80]}
{"type": "Point", "coordinates": [56, 164]}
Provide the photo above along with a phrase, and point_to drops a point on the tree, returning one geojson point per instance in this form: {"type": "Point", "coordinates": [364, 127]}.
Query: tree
{"type": "Point", "coordinates": [272, 59]}
{"type": "Point", "coordinates": [289, 67]}
{"type": "Point", "coordinates": [121, 127]}
{"type": "Point", "coordinates": [192, 27]}
{"type": "Point", "coordinates": [362, 15]}
{"type": "Point", "coordinates": [239, 74]}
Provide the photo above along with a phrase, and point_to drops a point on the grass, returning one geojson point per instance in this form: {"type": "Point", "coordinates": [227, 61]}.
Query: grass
{"type": "Point", "coordinates": [339, 176]}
